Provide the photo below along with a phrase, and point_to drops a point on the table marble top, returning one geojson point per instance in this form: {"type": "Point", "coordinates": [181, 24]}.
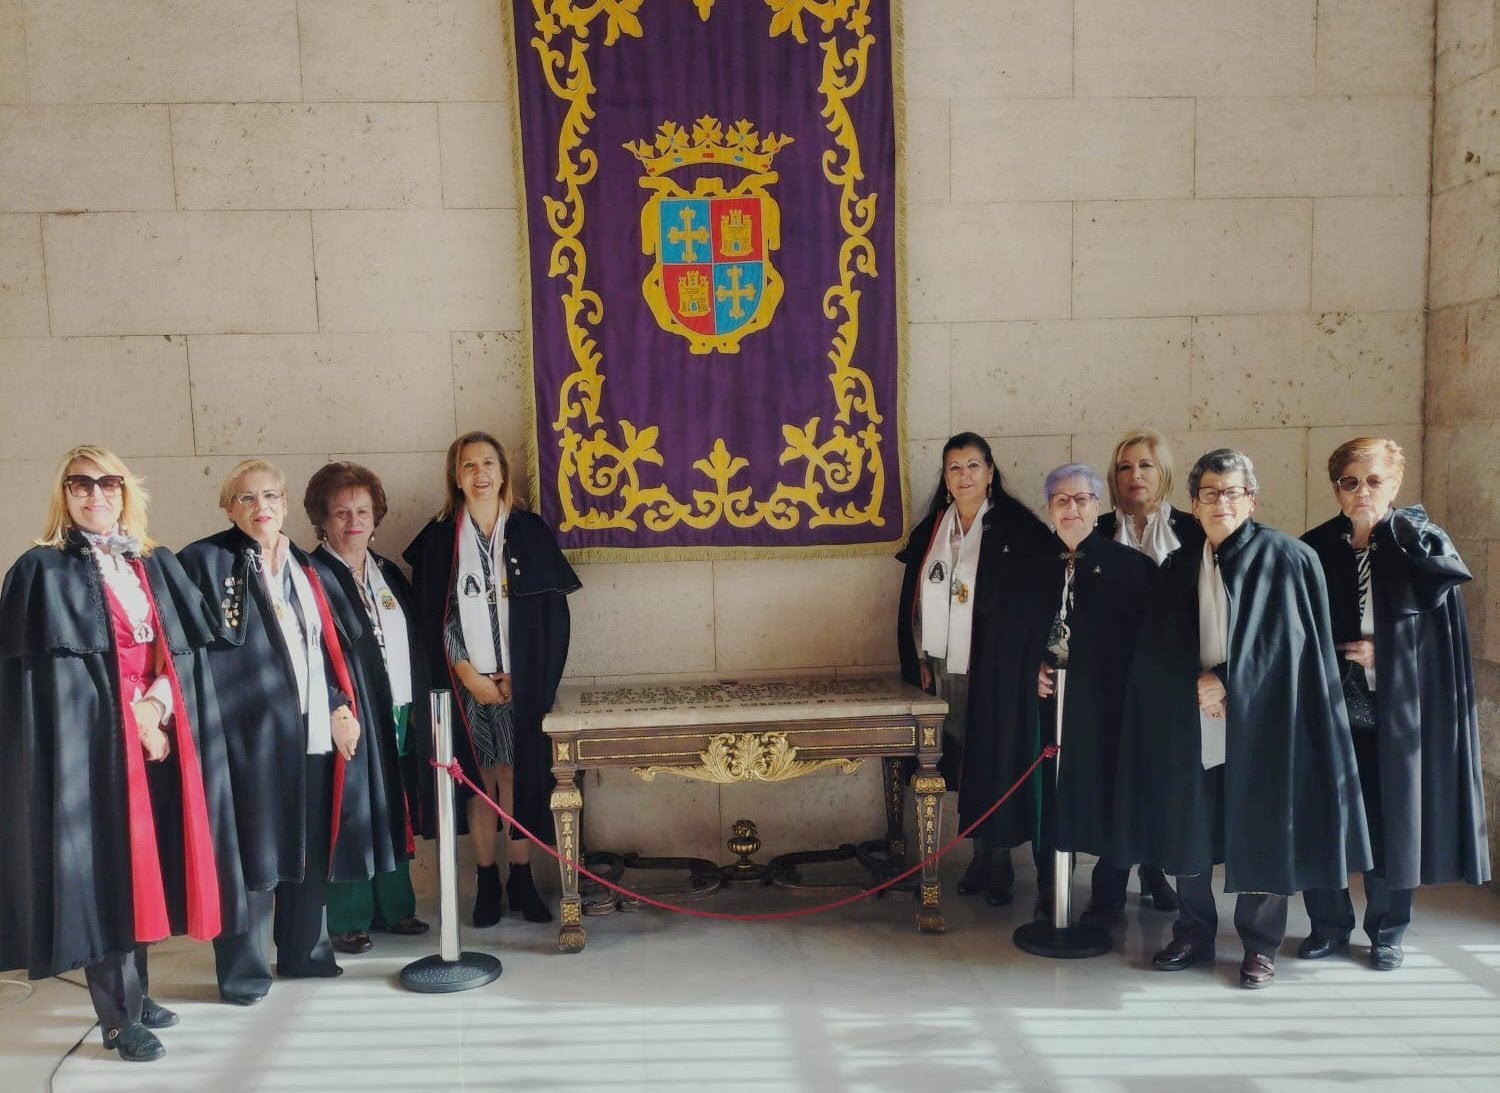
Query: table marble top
{"type": "Point", "coordinates": [672, 702]}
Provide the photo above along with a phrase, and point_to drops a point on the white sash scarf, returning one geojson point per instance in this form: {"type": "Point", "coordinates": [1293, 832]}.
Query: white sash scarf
{"type": "Point", "coordinates": [1213, 650]}
{"type": "Point", "coordinates": [392, 622]}
{"type": "Point", "coordinates": [947, 583]}
{"type": "Point", "coordinates": [305, 645]}
{"type": "Point", "coordinates": [474, 593]}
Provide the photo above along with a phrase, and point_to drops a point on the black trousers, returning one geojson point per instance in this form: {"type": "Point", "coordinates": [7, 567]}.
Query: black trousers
{"type": "Point", "coordinates": [117, 987]}
{"type": "Point", "coordinates": [293, 913]}
{"type": "Point", "coordinates": [1259, 917]}
{"type": "Point", "coordinates": [1387, 909]}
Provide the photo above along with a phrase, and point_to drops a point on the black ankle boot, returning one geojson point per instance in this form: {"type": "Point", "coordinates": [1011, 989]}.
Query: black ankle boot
{"type": "Point", "coordinates": [976, 878]}
{"type": "Point", "coordinates": [487, 895]}
{"type": "Point", "coordinates": [1156, 889]}
{"type": "Point", "coordinates": [521, 889]}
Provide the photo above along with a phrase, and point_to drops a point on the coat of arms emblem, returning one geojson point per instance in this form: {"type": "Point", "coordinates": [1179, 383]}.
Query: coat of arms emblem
{"type": "Point", "coordinates": [713, 282]}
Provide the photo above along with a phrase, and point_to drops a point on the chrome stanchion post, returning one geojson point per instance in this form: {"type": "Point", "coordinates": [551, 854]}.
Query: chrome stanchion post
{"type": "Point", "coordinates": [450, 970]}
{"type": "Point", "coordinates": [1057, 938]}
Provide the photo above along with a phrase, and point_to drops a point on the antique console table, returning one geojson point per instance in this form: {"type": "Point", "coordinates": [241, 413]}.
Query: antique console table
{"type": "Point", "coordinates": [768, 730]}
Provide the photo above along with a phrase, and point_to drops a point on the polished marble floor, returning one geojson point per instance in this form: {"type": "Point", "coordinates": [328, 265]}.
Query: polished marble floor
{"type": "Point", "coordinates": [852, 1002]}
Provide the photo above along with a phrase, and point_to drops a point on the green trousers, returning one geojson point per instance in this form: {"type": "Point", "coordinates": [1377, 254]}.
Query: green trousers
{"type": "Point", "coordinates": [354, 906]}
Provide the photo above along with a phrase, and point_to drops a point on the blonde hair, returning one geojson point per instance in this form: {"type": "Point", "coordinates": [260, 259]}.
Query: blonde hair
{"type": "Point", "coordinates": [1366, 447]}
{"type": "Point", "coordinates": [231, 480]}
{"type": "Point", "coordinates": [133, 498]}
{"type": "Point", "coordinates": [453, 496]}
{"type": "Point", "coordinates": [1160, 451]}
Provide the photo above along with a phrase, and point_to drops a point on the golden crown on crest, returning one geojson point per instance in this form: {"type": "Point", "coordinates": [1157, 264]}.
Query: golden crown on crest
{"type": "Point", "coordinates": [740, 146]}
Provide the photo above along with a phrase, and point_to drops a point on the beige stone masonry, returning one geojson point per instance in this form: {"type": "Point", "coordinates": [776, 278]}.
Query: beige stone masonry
{"type": "Point", "coordinates": [646, 618]}
{"type": "Point", "coordinates": [968, 263]}
{"type": "Point", "coordinates": [23, 288]}
{"type": "Point", "coordinates": [175, 273]}
{"type": "Point", "coordinates": [489, 374]}
{"type": "Point", "coordinates": [1046, 149]}
{"type": "Point", "coordinates": [1193, 47]}
{"type": "Point", "coordinates": [427, 270]}
{"type": "Point", "coordinates": [94, 385]}
{"type": "Point", "coordinates": [1463, 359]}
{"type": "Point", "coordinates": [929, 157]}
{"type": "Point", "coordinates": [13, 67]}
{"type": "Point", "coordinates": [988, 49]}
{"type": "Point", "coordinates": [402, 50]}
{"type": "Point", "coordinates": [100, 51]}
{"type": "Point", "coordinates": [1135, 258]}
{"type": "Point", "coordinates": [1369, 253]}
{"type": "Point", "coordinates": [1465, 252]}
{"type": "Point", "coordinates": [478, 171]}
{"type": "Point", "coordinates": [318, 156]}
{"type": "Point", "coordinates": [1375, 47]}
{"type": "Point", "coordinates": [289, 393]}
{"type": "Point", "coordinates": [1070, 376]}
{"type": "Point", "coordinates": [1323, 146]}
{"type": "Point", "coordinates": [1466, 40]}
{"type": "Point", "coordinates": [1466, 140]}
{"type": "Point", "coordinates": [927, 396]}
{"type": "Point", "coordinates": [845, 609]}
{"type": "Point", "coordinates": [76, 158]}
{"type": "Point", "coordinates": [1267, 371]}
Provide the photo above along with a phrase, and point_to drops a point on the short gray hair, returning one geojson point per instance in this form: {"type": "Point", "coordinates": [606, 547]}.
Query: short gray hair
{"type": "Point", "coordinates": [1222, 461]}
{"type": "Point", "coordinates": [1071, 470]}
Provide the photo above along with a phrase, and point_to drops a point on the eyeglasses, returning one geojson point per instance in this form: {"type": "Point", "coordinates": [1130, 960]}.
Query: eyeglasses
{"type": "Point", "coordinates": [270, 497]}
{"type": "Point", "coordinates": [1350, 484]}
{"type": "Point", "coordinates": [82, 485]}
{"type": "Point", "coordinates": [1207, 495]}
{"type": "Point", "coordinates": [1062, 501]}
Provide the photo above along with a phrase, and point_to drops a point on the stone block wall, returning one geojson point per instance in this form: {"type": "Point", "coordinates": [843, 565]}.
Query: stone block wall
{"type": "Point", "coordinates": [1463, 334]}
{"type": "Point", "coordinates": [288, 228]}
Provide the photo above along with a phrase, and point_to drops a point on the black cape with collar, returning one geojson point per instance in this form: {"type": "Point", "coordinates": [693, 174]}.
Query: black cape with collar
{"type": "Point", "coordinates": [1293, 816]}
{"type": "Point", "coordinates": [375, 797]}
{"type": "Point", "coordinates": [1188, 531]}
{"type": "Point", "coordinates": [540, 580]}
{"type": "Point", "coordinates": [995, 748]}
{"type": "Point", "coordinates": [1431, 783]}
{"type": "Point", "coordinates": [1111, 586]}
{"type": "Point", "coordinates": [65, 885]}
{"type": "Point", "coordinates": [263, 724]}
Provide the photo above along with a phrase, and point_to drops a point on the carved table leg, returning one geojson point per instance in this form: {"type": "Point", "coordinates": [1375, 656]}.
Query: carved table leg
{"type": "Point", "coordinates": [567, 809]}
{"type": "Point", "coordinates": [895, 797]}
{"type": "Point", "coordinates": [928, 787]}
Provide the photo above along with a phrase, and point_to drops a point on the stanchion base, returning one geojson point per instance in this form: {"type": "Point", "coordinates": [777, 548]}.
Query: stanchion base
{"type": "Point", "coordinates": [1072, 943]}
{"type": "Point", "coordinates": [434, 975]}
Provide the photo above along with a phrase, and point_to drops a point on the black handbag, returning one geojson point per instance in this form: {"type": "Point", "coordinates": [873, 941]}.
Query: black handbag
{"type": "Point", "coordinates": [1357, 697]}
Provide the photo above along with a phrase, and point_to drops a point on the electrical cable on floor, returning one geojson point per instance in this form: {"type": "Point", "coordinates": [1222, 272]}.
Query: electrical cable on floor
{"type": "Point", "coordinates": [25, 988]}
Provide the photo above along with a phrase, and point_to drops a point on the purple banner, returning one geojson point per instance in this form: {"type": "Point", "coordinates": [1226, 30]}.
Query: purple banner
{"type": "Point", "coordinates": [711, 218]}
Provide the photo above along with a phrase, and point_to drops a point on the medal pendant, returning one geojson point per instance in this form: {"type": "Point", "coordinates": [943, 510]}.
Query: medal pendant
{"type": "Point", "coordinates": [143, 633]}
{"type": "Point", "coordinates": [960, 592]}
{"type": "Point", "coordinates": [387, 601]}
{"type": "Point", "coordinates": [280, 608]}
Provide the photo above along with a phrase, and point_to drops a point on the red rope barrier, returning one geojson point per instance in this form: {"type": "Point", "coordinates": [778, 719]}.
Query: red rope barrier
{"type": "Point", "coordinates": [456, 773]}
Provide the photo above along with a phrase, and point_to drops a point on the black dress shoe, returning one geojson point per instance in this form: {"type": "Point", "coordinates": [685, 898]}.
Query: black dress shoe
{"type": "Point", "coordinates": [1182, 953]}
{"type": "Point", "coordinates": [1257, 971]}
{"type": "Point", "coordinates": [1314, 947]}
{"type": "Point", "coordinates": [1041, 910]}
{"type": "Point", "coordinates": [1386, 958]}
{"type": "Point", "coordinates": [154, 1015]}
{"type": "Point", "coordinates": [354, 942]}
{"type": "Point", "coordinates": [135, 1043]}
{"type": "Point", "coordinates": [409, 926]}
{"type": "Point", "coordinates": [520, 889]}
{"type": "Point", "coordinates": [1102, 915]}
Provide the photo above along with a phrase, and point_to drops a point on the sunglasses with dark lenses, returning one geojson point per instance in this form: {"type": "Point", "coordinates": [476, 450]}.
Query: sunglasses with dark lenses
{"type": "Point", "coordinates": [82, 485]}
{"type": "Point", "coordinates": [1350, 484]}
